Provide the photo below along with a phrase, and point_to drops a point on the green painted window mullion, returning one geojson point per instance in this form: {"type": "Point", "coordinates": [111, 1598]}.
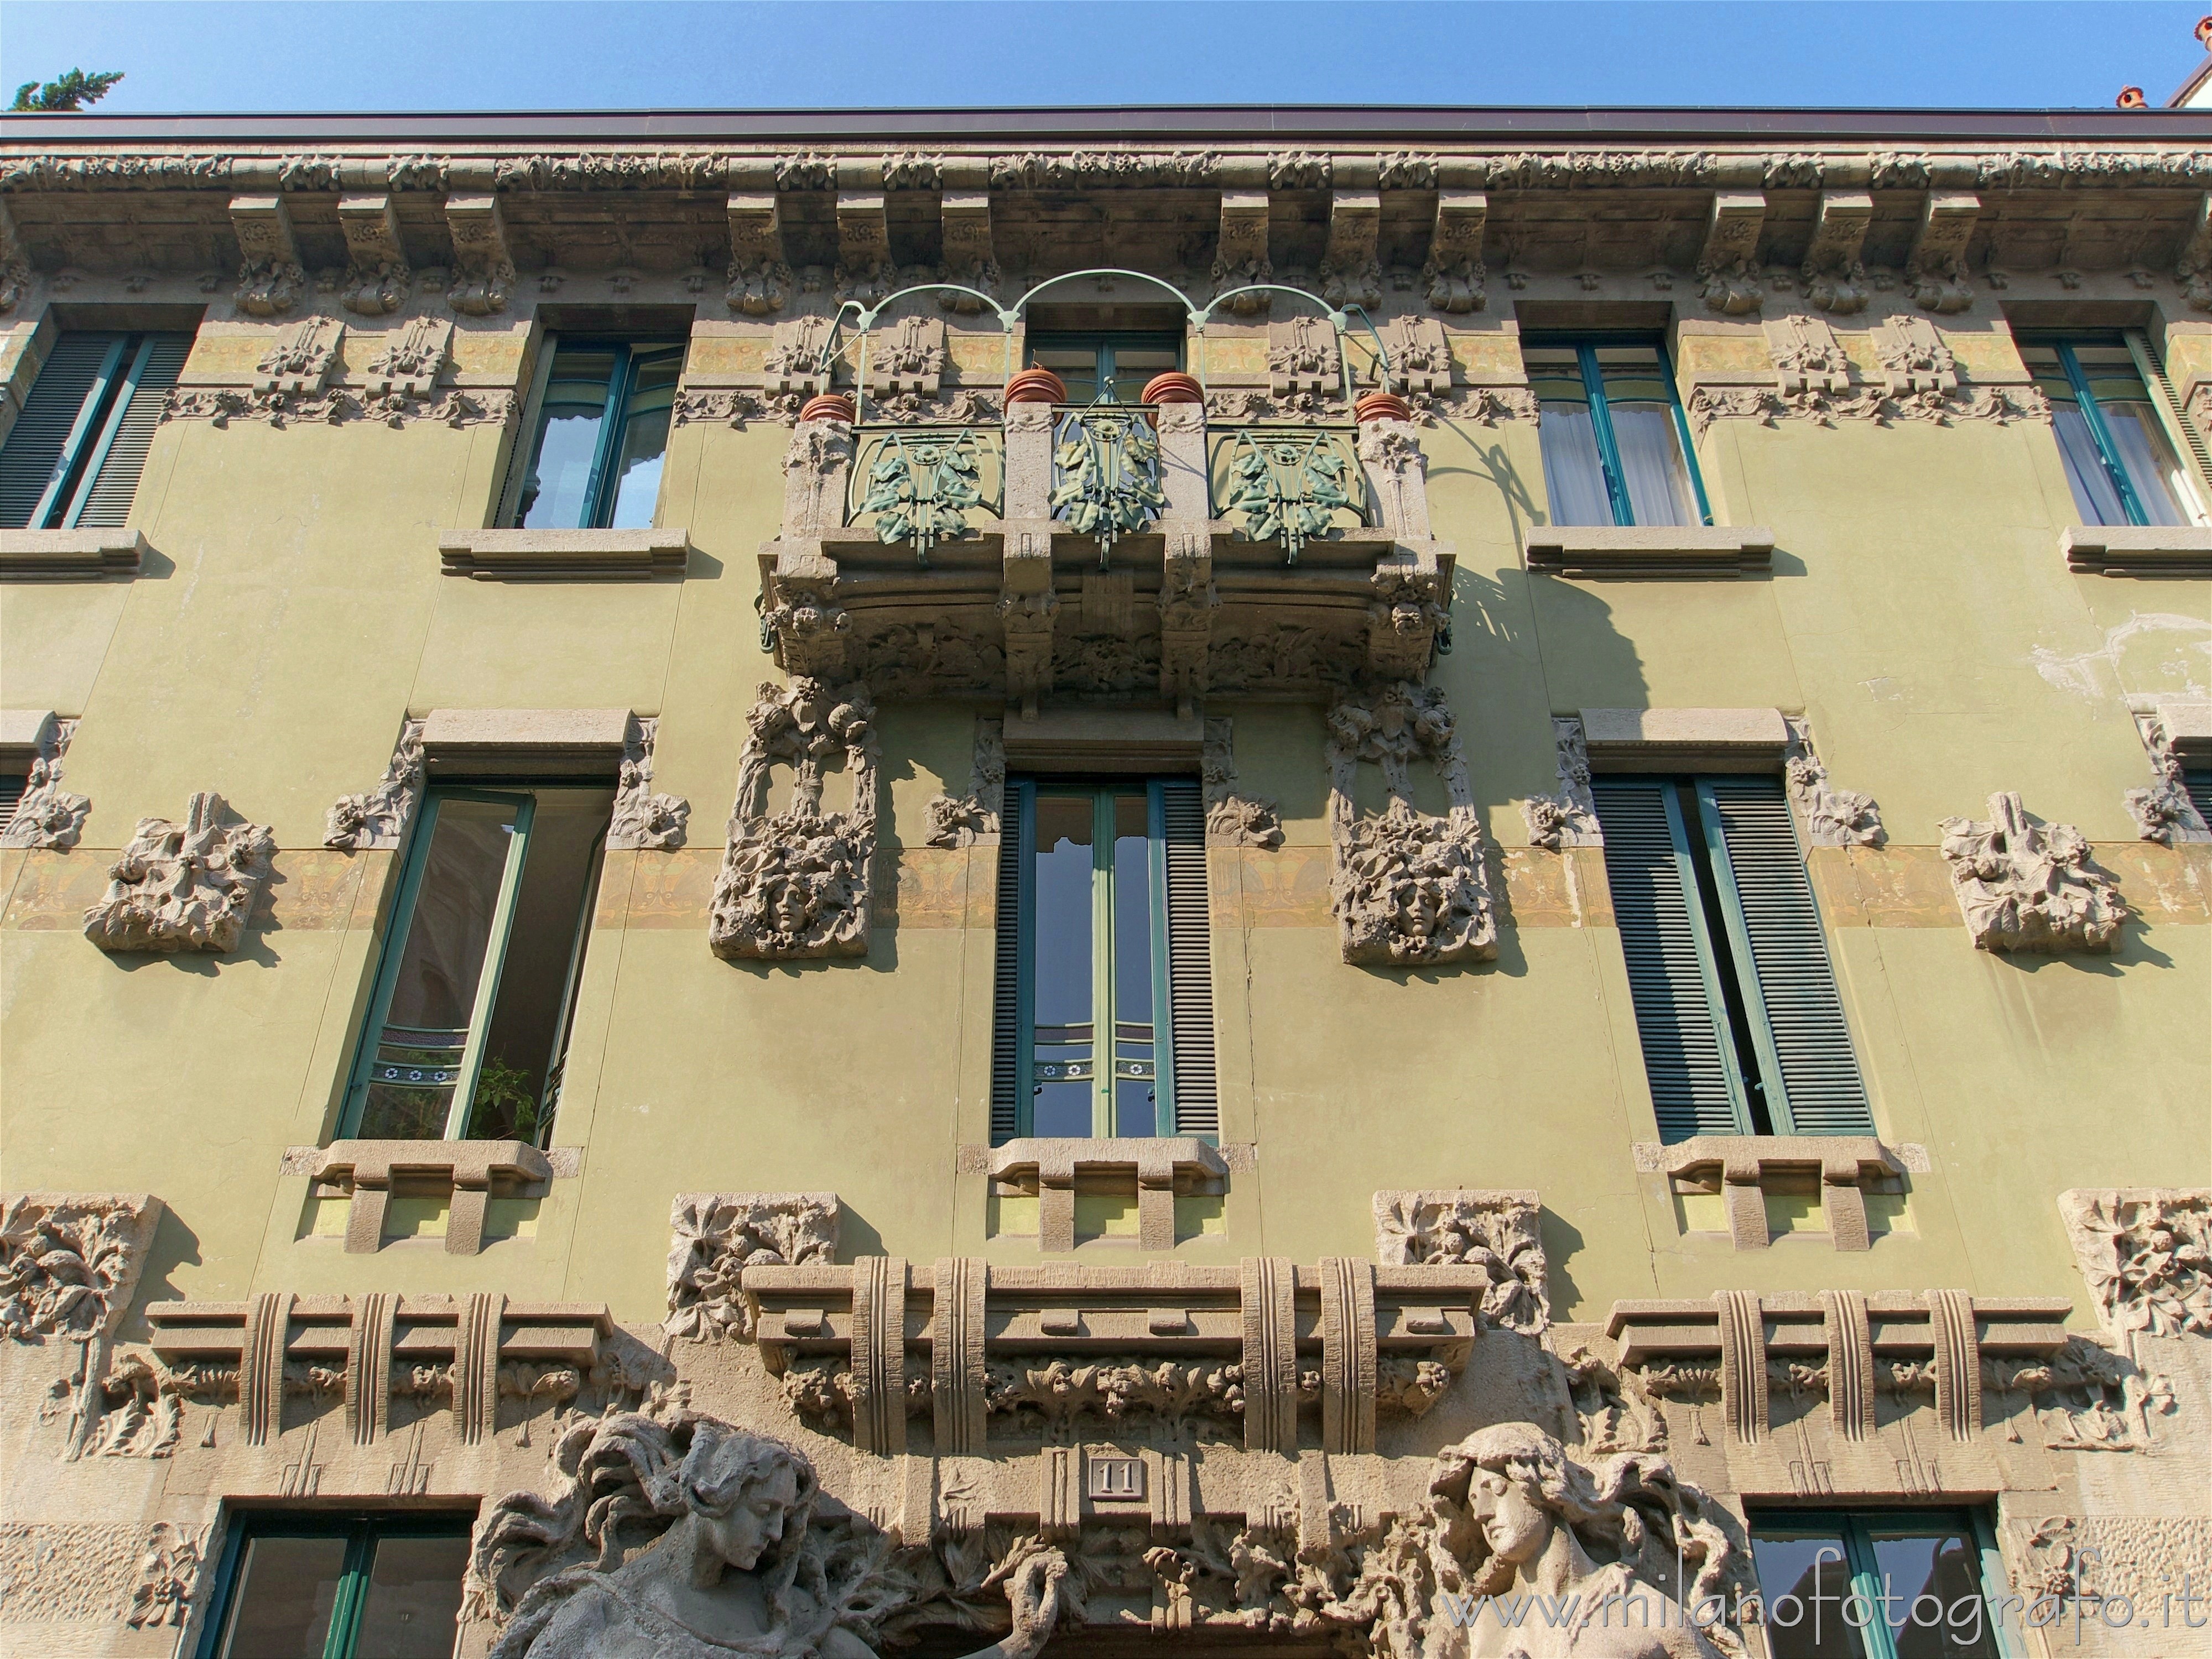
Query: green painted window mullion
{"type": "Point", "coordinates": [1608, 452]}
{"type": "Point", "coordinates": [88, 413]}
{"type": "Point", "coordinates": [1991, 1561]}
{"type": "Point", "coordinates": [1025, 982]}
{"type": "Point", "coordinates": [1682, 436]}
{"type": "Point", "coordinates": [353, 1588]}
{"type": "Point", "coordinates": [502, 924]}
{"type": "Point", "coordinates": [1103, 1047]}
{"type": "Point", "coordinates": [387, 978]}
{"type": "Point", "coordinates": [119, 406]}
{"type": "Point", "coordinates": [598, 491]}
{"type": "Point", "coordinates": [1866, 1582]}
{"type": "Point", "coordinates": [1156, 858]}
{"type": "Point", "coordinates": [523, 456]}
{"type": "Point", "coordinates": [1708, 962]}
{"type": "Point", "coordinates": [2093, 418]}
{"type": "Point", "coordinates": [1746, 966]}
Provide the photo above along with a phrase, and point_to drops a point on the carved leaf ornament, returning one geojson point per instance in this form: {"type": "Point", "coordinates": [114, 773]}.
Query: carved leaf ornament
{"type": "Point", "coordinates": [920, 486]}
{"type": "Point", "coordinates": [1289, 488]}
{"type": "Point", "coordinates": [1106, 474]}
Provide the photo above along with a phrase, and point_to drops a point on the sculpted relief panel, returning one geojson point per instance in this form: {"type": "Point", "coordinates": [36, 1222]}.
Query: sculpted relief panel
{"type": "Point", "coordinates": [187, 886]}
{"type": "Point", "coordinates": [68, 1261]}
{"type": "Point", "coordinates": [2028, 886]}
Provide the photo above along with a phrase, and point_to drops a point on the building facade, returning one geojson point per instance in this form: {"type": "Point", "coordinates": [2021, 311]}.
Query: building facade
{"type": "Point", "coordinates": [1199, 878]}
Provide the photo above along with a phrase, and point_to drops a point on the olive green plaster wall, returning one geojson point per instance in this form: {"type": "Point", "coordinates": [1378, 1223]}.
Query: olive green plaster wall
{"type": "Point", "coordinates": [293, 613]}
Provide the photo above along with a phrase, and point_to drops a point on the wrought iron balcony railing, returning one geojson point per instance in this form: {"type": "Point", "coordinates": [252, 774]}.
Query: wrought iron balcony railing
{"type": "Point", "coordinates": [1106, 471]}
{"type": "Point", "coordinates": [926, 484]}
{"type": "Point", "coordinates": [1288, 483]}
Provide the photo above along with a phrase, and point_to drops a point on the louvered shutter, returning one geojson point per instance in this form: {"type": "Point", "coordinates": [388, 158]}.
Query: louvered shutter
{"type": "Point", "coordinates": [41, 432]}
{"type": "Point", "coordinates": [1681, 1019]}
{"type": "Point", "coordinates": [2199, 786]}
{"type": "Point", "coordinates": [2180, 432]}
{"type": "Point", "coordinates": [1009, 983]}
{"type": "Point", "coordinates": [12, 785]}
{"type": "Point", "coordinates": [109, 500]}
{"type": "Point", "coordinates": [1814, 1086]}
{"type": "Point", "coordinates": [1190, 962]}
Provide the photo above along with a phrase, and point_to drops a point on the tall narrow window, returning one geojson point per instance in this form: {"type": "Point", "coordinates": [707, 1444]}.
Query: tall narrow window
{"type": "Point", "coordinates": [1105, 368]}
{"type": "Point", "coordinates": [1909, 1585]}
{"type": "Point", "coordinates": [335, 1586]}
{"type": "Point", "coordinates": [1616, 449]}
{"type": "Point", "coordinates": [1104, 1012]}
{"type": "Point", "coordinates": [74, 455]}
{"type": "Point", "coordinates": [469, 1026]}
{"type": "Point", "coordinates": [601, 430]}
{"type": "Point", "coordinates": [1736, 1004]}
{"type": "Point", "coordinates": [2122, 441]}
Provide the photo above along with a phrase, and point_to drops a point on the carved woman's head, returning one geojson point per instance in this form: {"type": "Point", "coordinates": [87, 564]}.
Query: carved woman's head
{"type": "Point", "coordinates": [1500, 1493]}
{"type": "Point", "coordinates": [749, 1499]}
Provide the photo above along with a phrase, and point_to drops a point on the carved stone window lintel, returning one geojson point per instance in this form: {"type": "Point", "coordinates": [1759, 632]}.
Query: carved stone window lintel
{"type": "Point", "coordinates": [30, 556]}
{"type": "Point", "coordinates": [1643, 551]}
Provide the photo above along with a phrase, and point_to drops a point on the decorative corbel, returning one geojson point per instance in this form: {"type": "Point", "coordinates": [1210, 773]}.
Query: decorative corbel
{"type": "Point", "coordinates": [1728, 263]}
{"type": "Point", "coordinates": [300, 363]}
{"type": "Point", "coordinates": [1453, 273]}
{"type": "Point", "coordinates": [760, 275]}
{"type": "Point", "coordinates": [1914, 357]}
{"type": "Point", "coordinates": [2193, 266]}
{"type": "Point", "coordinates": [810, 629]}
{"type": "Point", "coordinates": [864, 247]}
{"type": "Point", "coordinates": [377, 280]}
{"type": "Point", "coordinates": [483, 266]}
{"type": "Point", "coordinates": [1834, 272]}
{"type": "Point", "coordinates": [1568, 818]}
{"type": "Point", "coordinates": [1936, 270]}
{"type": "Point", "coordinates": [411, 359]}
{"type": "Point", "coordinates": [1350, 274]}
{"type": "Point", "coordinates": [14, 265]}
{"type": "Point", "coordinates": [379, 818]}
{"type": "Point", "coordinates": [270, 277]}
{"type": "Point", "coordinates": [1241, 256]}
{"type": "Point", "coordinates": [970, 255]}
{"type": "Point", "coordinates": [1807, 357]}
{"type": "Point", "coordinates": [1027, 605]}
{"type": "Point", "coordinates": [1830, 816]}
{"type": "Point", "coordinates": [1187, 604]}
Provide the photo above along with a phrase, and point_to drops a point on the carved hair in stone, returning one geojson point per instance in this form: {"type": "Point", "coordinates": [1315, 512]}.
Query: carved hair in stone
{"type": "Point", "coordinates": [1409, 890]}
{"type": "Point", "coordinates": [47, 815]}
{"type": "Point", "coordinates": [183, 887]}
{"type": "Point", "coordinates": [2028, 886]}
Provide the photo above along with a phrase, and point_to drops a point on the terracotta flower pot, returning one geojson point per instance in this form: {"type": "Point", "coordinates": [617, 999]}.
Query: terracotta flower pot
{"type": "Point", "coordinates": [1381, 406]}
{"type": "Point", "coordinates": [1036, 386]}
{"type": "Point", "coordinates": [1174, 386]}
{"type": "Point", "coordinates": [828, 406]}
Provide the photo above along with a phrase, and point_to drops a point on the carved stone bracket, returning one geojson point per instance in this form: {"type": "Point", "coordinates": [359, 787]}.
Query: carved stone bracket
{"type": "Point", "coordinates": [1828, 815]}
{"type": "Point", "coordinates": [1935, 268]}
{"type": "Point", "coordinates": [643, 821]}
{"type": "Point", "coordinates": [1807, 356]}
{"type": "Point", "coordinates": [187, 886]}
{"type": "Point", "coordinates": [467, 1169]}
{"type": "Point", "coordinates": [1164, 1166]}
{"type": "Point", "coordinates": [46, 815]}
{"type": "Point", "coordinates": [15, 266]}
{"type": "Point", "coordinates": [1834, 274]}
{"type": "Point", "coordinates": [1452, 277]}
{"type": "Point", "coordinates": [1568, 818]}
{"type": "Point", "coordinates": [714, 1237]}
{"type": "Point", "coordinates": [908, 358]}
{"type": "Point", "coordinates": [1728, 264]}
{"type": "Point", "coordinates": [760, 275]}
{"type": "Point", "coordinates": [865, 271]}
{"type": "Point", "coordinates": [1747, 1164]}
{"type": "Point", "coordinates": [2165, 813]}
{"type": "Point", "coordinates": [1409, 889]}
{"type": "Point", "coordinates": [380, 818]}
{"type": "Point", "coordinates": [483, 266]}
{"type": "Point", "coordinates": [797, 884]}
{"type": "Point", "coordinates": [2023, 885]}
{"type": "Point", "coordinates": [2146, 1255]}
{"type": "Point", "coordinates": [1915, 357]}
{"type": "Point", "coordinates": [377, 279]}
{"type": "Point", "coordinates": [1233, 819]}
{"type": "Point", "coordinates": [964, 820]}
{"type": "Point", "coordinates": [1349, 272]}
{"type": "Point", "coordinates": [270, 280]}
{"type": "Point", "coordinates": [70, 1261]}
{"type": "Point", "coordinates": [1240, 257]}
{"type": "Point", "coordinates": [1494, 1230]}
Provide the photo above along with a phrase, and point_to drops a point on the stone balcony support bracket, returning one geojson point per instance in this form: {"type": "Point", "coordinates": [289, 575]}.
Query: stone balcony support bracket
{"type": "Point", "coordinates": [1747, 1164]}
{"type": "Point", "coordinates": [468, 1167]}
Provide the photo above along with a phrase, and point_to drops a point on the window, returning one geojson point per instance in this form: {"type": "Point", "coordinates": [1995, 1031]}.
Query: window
{"type": "Point", "coordinates": [2115, 431]}
{"type": "Point", "coordinates": [1823, 1578]}
{"type": "Point", "coordinates": [601, 430]}
{"type": "Point", "coordinates": [1105, 368]}
{"type": "Point", "coordinates": [326, 1586]}
{"type": "Point", "coordinates": [1103, 1023]}
{"type": "Point", "coordinates": [2197, 780]}
{"type": "Point", "coordinates": [469, 1020]}
{"type": "Point", "coordinates": [1616, 449]}
{"type": "Point", "coordinates": [1736, 1002]}
{"type": "Point", "coordinates": [15, 780]}
{"type": "Point", "coordinates": [74, 455]}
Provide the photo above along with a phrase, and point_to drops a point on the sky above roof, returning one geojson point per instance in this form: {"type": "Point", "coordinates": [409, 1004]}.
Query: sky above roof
{"type": "Point", "coordinates": [389, 54]}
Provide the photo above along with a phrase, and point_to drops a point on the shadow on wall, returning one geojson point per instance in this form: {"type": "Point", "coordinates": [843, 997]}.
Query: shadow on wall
{"type": "Point", "coordinates": [175, 1245]}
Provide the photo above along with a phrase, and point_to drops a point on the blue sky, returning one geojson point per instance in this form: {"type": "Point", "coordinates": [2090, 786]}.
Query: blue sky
{"type": "Point", "coordinates": [505, 54]}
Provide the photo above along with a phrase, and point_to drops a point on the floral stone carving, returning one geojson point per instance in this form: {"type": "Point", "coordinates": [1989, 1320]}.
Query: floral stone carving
{"type": "Point", "coordinates": [1496, 1231]}
{"type": "Point", "coordinates": [168, 1573]}
{"type": "Point", "coordinates": [714, 1237]}
{"type": "Point", "coordinates": [380, 818]}
{"type": "Point", "coordinates": [963, 820]}
{"type": "Point", "coordinates": [641, 820]}
{"type": "Point", "coordinates": [46, 815]}
{"type": "Point", "coordinates": [187, 886]}
{"type": "Point", "coordinates": [2146, 1253]}
{"type": "Point", "coordinates": [68, 1261]}
{"type": "Point", "coordinates": [1409, 890]}
{"type": "Point", "coordinates": [796, 885]}
{"type": "Point", "coordinates": [2028, 886]}
{"type": "Point", "coordinates": [1232, 818]}
{"type": "Point", "coordinates": [1832, 817]}
{"type": "Point", "coordinates": [744, 1556]}
{"type": "Point", "coordinates": [2164, 811]}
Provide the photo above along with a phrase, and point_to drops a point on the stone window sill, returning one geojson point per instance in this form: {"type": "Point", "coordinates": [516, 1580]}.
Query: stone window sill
{"type": "Point", "coordinates": [2137, 551]}
{"type": "Point", "coordinates": [69, 555]}
{"type": "Point", "coordinates": [468, 1176]}
{"type": "Point", "coordinates": [1153, 1170]}
{"type": "Point", "coordinates": [564, 555]}
{"type": "Point", "coordinates": [1643, 551]}
{"type": "Point", "coordinates": [1755, 1173]}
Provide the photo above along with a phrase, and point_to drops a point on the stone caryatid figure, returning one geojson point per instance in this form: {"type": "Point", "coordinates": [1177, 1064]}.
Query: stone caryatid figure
{"type": "Point", "coordinates": [746, 1561]}
{"type": "Point", "coordinates": [1515, 1515]}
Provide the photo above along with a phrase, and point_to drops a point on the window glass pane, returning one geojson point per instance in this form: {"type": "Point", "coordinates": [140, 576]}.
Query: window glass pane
{"type": "Point", "coordinates": [1572, 477]}
{"type": "Point", "coordinates": [522, 1041]}
{"type": "Point", "coordinates": [1061, 964]}
{"type": "Point", "coordinates": [1133, 969]}
{"type": "Point", "coordinates": [1650, 456]}
{"type": "Point", "coordinates": [418, 1053]}
{"type": "Point", "coordinates": [1943, 1566]}
{"type": "Point", "coordinates": [644, 439]}
{"type": "Point", "coordinates": [2148, 460]}
{"type": "Point", "coordinates": [556, 490]}
{"type": "Point", "coordinates": [414, 1599]}
{"type": "Point", "coordinates": [1134, 365]}
{"type": "Point", "coordinates": [2093, 495]}
{"type": "Point", "coordinates": [1076, 365]}
{"type": "Point", "coordinates": [1804, 1579]}
{"type": "Point", "coordinates": [287, 1588]}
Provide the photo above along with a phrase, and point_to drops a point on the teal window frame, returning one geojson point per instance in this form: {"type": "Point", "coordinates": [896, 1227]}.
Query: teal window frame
{"type": "Point", "coordinates": [1104, 342]}
{"type": "Point", "coordinates": [362, 1532]}
{"type": "Point", "coordinates": [1586, 346]}
{"type": "Point", "coordinates": [1860, 1527]}
{"type": "Point", "coordinates": [469, 1064]}
{"type": "Point", "coordinates": [600, 489]}
{"type": "Point", "coordinates": [2100, 435]}
{"type": "Point", "coordinates": [76, 476]}
{"type": "Point", "coordinates": [2157, 393]}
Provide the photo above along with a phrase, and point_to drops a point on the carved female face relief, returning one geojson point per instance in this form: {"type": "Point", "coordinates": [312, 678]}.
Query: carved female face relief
{"type": "Point", "coordinates": [1514, 1525]}
{"type": "Point", "coordinates": [740, 1525]}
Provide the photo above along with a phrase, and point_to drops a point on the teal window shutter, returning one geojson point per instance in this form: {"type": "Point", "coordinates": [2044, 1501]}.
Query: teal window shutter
{"type": "Point", "coordinates": [75, 454]}
{"type": "Point", "coordinates": [1780, 955]}
{"type": "Point", "coordinates": [129, 433]}
{"type": "Point", "coordinates": [2198, 783]}
{"type": "Point", "coordinates": [1681, 1018]}
{"type": "Point", "coordinates": [1190, 1102]}
{"type": "Point", "coordinates": [52, 424]}
{"type": "Point", "coordinates": [1010, 979]}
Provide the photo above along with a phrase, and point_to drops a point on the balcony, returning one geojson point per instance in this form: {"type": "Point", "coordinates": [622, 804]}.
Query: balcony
{"type": "Point", "coordinates": [1135, 552]}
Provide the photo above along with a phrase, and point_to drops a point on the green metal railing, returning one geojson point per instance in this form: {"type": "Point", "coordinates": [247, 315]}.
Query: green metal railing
{"type": "Point", "coordinates": [1292, 485]}
{"type": "Point", "coordinates": [1106, 472]}
{"type": "Point", "coordinates": [920, 483]}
